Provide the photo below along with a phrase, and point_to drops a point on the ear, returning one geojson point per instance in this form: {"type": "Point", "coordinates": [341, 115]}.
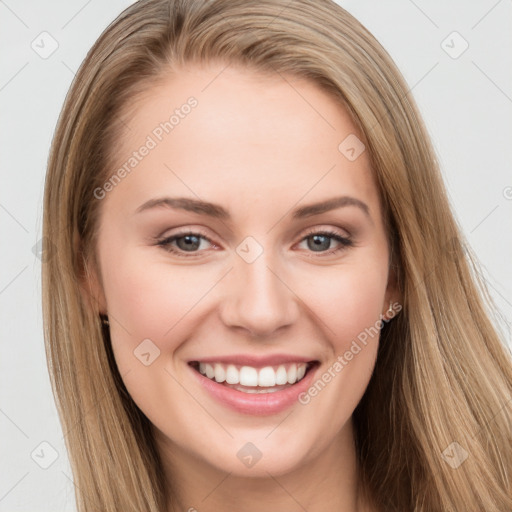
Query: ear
{"type": "Point", "coordinates": [393, 295]}
{"type": "Point", "coordinates": [90, 280]}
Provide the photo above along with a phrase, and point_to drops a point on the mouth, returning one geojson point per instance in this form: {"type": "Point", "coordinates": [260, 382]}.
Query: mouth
{"type": "Point", "coordinates": [253, 384]}
{"type": "Point", "coordinates": [252, 379]}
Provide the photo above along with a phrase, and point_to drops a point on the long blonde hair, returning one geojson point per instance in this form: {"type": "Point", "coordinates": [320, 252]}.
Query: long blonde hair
{"type": "Point", "coordinates": [442, 375]}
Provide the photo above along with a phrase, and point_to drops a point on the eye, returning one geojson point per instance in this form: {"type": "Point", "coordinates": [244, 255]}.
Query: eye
{"type": "Point", "coordinates": [187, 242]}
{"type": "Point", "coordinates": [320, 242]}
{"type": "Point", "coordinates": [191, 242]}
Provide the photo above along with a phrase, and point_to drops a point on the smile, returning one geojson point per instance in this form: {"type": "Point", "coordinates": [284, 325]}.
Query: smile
{"type": "Point", "coordinates": [254, 389]}
{"type": "Point", "coordinates": [248, 376]}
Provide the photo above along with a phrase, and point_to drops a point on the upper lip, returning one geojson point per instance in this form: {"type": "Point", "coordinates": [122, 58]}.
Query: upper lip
{"type": "Point", "coordinates": [254, 361]}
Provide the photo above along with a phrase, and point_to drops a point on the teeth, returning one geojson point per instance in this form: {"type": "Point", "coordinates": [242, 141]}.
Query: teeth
{"type": "Point", "coordinates": [281, 376]}
{"type": "Point", "coordinates": [266, 377]}
{"type": "Point", "coordinates": [248, 376]}
{"type": "Point", "coordinates": [292, 374]}
{"type": "Point", "coordinates": [258, 390]}
{"type": "Point", "coordinates": [220, 373]}
{"type": "Point", "coordinates": [209, 371]}
{"type": "Point", "coordinates": [232, 375]}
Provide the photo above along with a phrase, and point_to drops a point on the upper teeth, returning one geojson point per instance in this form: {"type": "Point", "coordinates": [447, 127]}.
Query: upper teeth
{"type": "Point", "coordinates": [249, 376]}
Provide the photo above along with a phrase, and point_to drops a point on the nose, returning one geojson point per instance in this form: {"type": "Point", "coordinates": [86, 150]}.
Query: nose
{"type": "Point", "coordinates": [257, 298]}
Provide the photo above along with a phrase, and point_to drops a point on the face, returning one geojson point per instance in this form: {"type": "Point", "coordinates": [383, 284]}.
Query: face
{"type": "Point", "coordinates": [213, 260]}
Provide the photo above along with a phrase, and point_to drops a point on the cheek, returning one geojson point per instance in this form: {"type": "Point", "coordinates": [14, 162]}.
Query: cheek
{"type": "Point", "coordinates": [152, 305]}
{"type": "Point", "coordinates": [346, 301]}
{"type": "Point", "coordinates": [151, 301]}
{"type": "Point", "coordinates": [348, 310]}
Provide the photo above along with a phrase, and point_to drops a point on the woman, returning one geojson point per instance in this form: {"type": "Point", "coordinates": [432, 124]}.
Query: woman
{"type": "Point", "coordinates": [260, 298]}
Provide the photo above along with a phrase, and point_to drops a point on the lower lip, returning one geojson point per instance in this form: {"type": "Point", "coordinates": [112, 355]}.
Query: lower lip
{"type": "Point", "coordinates": [260, 404]}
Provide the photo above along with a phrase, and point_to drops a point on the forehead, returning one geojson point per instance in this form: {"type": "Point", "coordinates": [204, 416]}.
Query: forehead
{"type": "Point", "coordinates": [220, 132]}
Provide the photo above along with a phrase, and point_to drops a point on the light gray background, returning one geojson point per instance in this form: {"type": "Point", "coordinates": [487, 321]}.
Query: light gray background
{"type": "Point", "coordinates": [466, 103]}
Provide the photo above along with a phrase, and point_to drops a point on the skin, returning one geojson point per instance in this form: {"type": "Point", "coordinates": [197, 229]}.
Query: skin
{"type": "Point", "coordinates": [260, 146]}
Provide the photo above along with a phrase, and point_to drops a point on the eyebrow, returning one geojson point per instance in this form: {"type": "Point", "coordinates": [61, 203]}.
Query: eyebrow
{"type": "Point", "coordinates": [219, 212]}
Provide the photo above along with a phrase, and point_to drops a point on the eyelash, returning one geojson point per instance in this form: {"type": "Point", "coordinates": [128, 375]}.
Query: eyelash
{"type": "Point", "coordinates": [165, 243]}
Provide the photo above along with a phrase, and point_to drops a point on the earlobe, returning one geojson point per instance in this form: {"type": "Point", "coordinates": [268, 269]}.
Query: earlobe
{"type": "Point", "coordinates": [90, 282]}
{"type": "Point", "coordinates": [93, 288]}
{"type": "Point", "coordinates": [393, 300]}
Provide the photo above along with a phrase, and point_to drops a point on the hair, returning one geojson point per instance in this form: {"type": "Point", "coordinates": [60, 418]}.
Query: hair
{"type": "Point", "coordinates": [442, 373]}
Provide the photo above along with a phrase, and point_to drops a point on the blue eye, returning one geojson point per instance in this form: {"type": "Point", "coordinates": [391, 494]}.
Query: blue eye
{"type": "Point", "coordinates": [185, 242]}
{"type": "Point", "coordinates": [323, 239]}
{"type": "Point", "coordinates": [188, 244]}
